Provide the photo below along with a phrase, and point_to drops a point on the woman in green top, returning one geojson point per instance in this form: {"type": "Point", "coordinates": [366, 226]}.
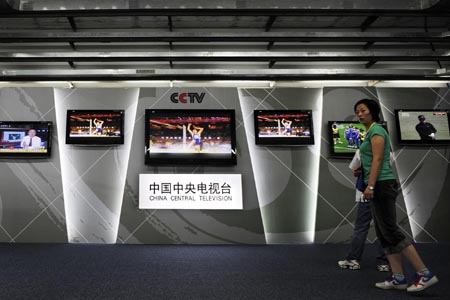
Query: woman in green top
{"type": "Point", "coordinates": [381, 191]}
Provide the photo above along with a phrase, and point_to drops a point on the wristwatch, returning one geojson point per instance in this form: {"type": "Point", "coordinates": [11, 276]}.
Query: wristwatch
{"type": "Point", "coordinates": [371, 187]}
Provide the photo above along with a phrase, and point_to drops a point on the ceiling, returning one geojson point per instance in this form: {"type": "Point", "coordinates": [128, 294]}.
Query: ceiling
{"type": "Point", "coordinates": [224, 40]}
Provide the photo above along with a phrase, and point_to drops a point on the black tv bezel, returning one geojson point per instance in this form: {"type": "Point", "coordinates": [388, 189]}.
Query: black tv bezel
{"type": "Point", "coordinates": [33, 155]}
{"type": "Point", "coordinates": [284, 141]}
{"type": "Point", "coordinates": [95, 141]}
{"type": "Point", "coordinates": [192, 158]}
{"type": "Point", "coordinates": [419, 142]}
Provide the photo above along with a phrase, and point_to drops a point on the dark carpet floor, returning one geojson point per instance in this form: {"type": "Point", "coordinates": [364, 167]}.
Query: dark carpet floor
{"type": "Point", "coordinates": [69, 271]}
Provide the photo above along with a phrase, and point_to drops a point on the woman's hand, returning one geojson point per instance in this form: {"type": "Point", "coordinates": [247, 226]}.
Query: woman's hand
{"type": "Point", "coordinates": [356, 172]}
{"type": "Point", "coordinates": [368, 194]}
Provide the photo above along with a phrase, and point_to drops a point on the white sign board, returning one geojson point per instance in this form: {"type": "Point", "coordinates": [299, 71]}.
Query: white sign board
{"type": "Point", "coordinates": [190, 191]}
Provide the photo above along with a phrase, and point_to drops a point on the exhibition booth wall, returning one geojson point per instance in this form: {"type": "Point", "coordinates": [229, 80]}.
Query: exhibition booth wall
{"type": "Point", "coordinates": [291, 194]}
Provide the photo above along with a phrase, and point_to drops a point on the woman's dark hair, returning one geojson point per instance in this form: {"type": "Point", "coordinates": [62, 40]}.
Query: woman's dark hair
{"type": "Point", "coordinates": [373, 107]}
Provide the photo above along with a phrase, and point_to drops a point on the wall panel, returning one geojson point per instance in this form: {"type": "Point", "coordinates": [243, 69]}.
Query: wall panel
{"type": "Point", "coordinates": [31, 197]}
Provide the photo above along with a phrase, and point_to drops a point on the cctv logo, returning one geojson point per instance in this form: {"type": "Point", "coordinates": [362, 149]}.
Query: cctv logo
{"type": "Point", "coordinates": [187, 97]}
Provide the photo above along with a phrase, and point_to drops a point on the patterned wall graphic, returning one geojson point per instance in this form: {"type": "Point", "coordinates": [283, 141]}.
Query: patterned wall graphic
{"type": "Point", "coordinates": [189, 226]}
{"type": "Point", "coordinates": [94, 176]}
{"type": "Point", "coordinates": [336, 210]}
{"type": "Point", "coordinates": [423, 171]}
{"type": "Point", "coordinates": [286, 177]}
{"type": "Point", "coordinates": [31, 197]}
{"type": "Point", "coordinates": [291, 195]}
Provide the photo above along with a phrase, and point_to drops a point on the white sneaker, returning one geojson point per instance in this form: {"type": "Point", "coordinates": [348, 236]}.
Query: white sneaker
{"type": "Point", "coordinates": [383, 267]}
{"type": "Point", "coordinates": [392, 284]}
{"type": "Point", "coordinates": [349, 264]}
{"type": "Point", "coordinates": [422, 282]}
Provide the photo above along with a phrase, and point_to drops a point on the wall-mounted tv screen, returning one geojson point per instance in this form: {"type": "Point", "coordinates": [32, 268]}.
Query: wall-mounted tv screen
{"type": "Point", "coordinates": [190, 137]}
{"type": "Point", "coordinates": [95, 127]}
{"type": "Point", "coordinates": [423, 126]}
{"type": "Point", "coordinates": [283, 127]}
{"type": "Point", "coordinates": [345, 137]}
{"type": "Point", "coordinates": [26, 139]}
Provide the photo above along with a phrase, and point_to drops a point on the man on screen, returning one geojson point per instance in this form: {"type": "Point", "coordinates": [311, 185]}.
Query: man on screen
{"type": "Point", "coordinates": [336, 135]}
{"type": "Point", "coordinates": [426, 130]}
{"type": "Point", "coordinates": [31, 141]}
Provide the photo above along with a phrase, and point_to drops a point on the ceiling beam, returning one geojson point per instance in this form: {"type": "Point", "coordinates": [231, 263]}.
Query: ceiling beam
{"type": "Point", "coordinates": [131, 37]}
{"type": "Point", "coordinates": [431, 43]}
{"type": "Point", "coordinates": [368, 45]}
{"type": "Point", "coordinates": [367, 22]}
{"type": "Point", "coordinates": [73, 25]}
{"type": "Point", "coordinates": [253, 56]}
{"type": "Point", "coordinates": [219, 74]}
{"type": "Point", "coordinates": [426, 30]}
{"type": "Point", "coordinates": [267, 29]}
{"type": "Point", "coordinates": [370, 64]}
{"type": "Point", "coordinates": [71, 64]}
{"type": "Point", "coordinates": [270, 23]}
{"type": "Point", "coordinates": [72, 45]}
{"type": "Point", "coordinates": [443, 11]}
{"type": "Point", "coordinates": [170, 23]}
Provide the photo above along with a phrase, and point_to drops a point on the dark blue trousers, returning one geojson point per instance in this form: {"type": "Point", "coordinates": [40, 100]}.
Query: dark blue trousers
{"type": "Point", "coordinates": [362, 226]}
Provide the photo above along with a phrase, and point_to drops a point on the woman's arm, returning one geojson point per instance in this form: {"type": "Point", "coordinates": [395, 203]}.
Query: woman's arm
{"type": "Point", "coordinates": [377, 142]}
{"type": "Point", "coordinates": [189, 128]}
{"type": "Point", "coordinates": [199, 129]}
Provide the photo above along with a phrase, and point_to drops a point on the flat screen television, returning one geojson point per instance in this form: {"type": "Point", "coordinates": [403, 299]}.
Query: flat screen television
{"type": "Point", "coordinates": [283, 127]}
{"type": "Point", "coordinates": [423, 126]}
{"type": "Point", "coordinates": [95, 127]}
{"type": "Point", "coordinates": [25, 139]}
{"type": "Point", "coordinates": [195, 137]}
{"type": "Point", "coordinates": [345, 137]}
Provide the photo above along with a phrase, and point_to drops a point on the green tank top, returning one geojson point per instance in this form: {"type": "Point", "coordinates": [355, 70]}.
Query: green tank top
{"type": "Point", "coordinates": [367, 155]}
